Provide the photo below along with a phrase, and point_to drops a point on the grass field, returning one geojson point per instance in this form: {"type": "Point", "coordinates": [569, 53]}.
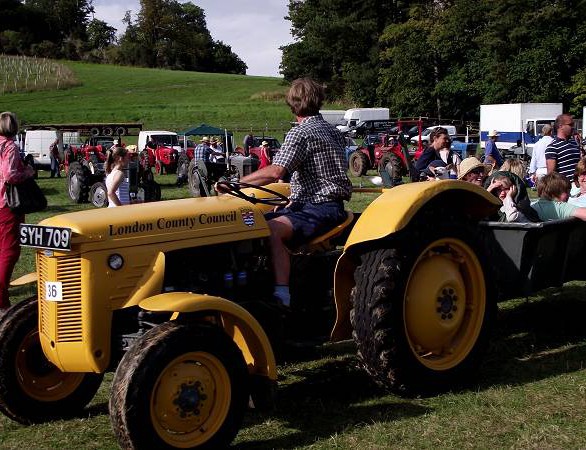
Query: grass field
{"type": "Point", "coordinates": [531, 391]}
{"type": "Point", "coordinates": [161, 99]}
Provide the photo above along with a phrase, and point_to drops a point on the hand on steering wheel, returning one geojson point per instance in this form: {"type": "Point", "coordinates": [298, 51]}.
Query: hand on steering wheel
{"type": "Point", "coordinates": [235, 188]}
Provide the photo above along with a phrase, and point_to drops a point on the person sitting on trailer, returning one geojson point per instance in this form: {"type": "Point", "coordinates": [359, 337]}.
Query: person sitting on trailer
{"type": "Point", "coordinates": [473, 171]}
{"type": "Point", "coordinates": [554, 191]}
{"type": "Point", "coordinates": [511, 190]}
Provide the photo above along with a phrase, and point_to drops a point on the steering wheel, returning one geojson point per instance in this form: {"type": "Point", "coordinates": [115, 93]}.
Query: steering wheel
{"type": "Point", "coordinates": [235, 188]}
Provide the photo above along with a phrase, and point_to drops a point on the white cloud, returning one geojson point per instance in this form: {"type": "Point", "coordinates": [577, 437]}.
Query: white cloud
{"type": "Point", "coordinates": [255, 29]}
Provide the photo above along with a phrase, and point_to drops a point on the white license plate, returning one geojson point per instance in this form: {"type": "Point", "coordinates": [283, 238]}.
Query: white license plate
{"type": "Point", "coordinates": [54, 238]}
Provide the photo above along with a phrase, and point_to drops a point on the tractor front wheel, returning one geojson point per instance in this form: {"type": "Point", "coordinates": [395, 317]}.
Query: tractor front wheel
{"type": "Point", "coordinates": [180, 386]}
{"type": "Point", "coordinates": [33, 390]}
{"type": "Point", "coordinates": [422, 309]}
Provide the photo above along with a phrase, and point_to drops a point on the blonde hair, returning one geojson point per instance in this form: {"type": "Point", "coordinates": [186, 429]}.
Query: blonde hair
{"type": "Point", "coordinates": [580, 169]}
{"type": "Point", "coordinates": [8, 124]}
{"type": "Point", "coordinates": [305, 97]}
{"type": "Point", "coordinates": [113, 155]}
{"type": "Point", "coordinates": [515, 166]}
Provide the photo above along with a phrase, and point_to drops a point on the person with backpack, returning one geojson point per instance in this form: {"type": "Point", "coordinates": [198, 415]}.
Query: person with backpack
{"type": "Point", "coordinates": [13, 171]}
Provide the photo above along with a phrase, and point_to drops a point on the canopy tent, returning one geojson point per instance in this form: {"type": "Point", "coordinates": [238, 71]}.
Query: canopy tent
{"type": "Point", "coordinates": [204, 130]}
{"type": "Point", "coordinates": [208, 130]}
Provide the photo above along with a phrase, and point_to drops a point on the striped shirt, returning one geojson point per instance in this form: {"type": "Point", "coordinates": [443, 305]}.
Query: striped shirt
{"type": "Point", "coordinates": [313, 153]}
{"type": "Point", "coordinates": [566, 154]}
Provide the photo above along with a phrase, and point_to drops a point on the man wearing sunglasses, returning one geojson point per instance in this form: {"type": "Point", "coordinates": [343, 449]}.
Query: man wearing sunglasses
{"type": "Point", "coordinates": [563, 154]}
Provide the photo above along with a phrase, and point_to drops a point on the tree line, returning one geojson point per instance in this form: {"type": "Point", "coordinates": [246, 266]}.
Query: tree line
{"type": "Point", "coordinates": [165, 34]}
{"type": "Point", "coordinates": [441, 58]}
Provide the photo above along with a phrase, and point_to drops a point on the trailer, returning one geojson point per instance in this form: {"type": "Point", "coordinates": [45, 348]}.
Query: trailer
{"type": "Point", "coordinates": [518, 124]}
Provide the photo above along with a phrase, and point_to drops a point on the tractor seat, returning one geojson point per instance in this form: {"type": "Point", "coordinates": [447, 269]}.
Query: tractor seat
{"type": "Point", "coordinates": [323, 241]}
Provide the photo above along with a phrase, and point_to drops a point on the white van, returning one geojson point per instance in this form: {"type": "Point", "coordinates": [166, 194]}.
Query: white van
{"type": "Point", "coordinates": [354, 116]}
{"type": "Point", "coordinates": [37, 145]}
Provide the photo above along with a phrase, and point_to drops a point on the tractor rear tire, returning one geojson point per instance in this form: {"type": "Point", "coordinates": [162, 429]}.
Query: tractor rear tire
{"type": "Point", "coordinates": [33, 390]}
{"type": "Point", "coordinates": [99, 195]}
{"type": "Point", "coordinates": [180, 386]}
{"type": "Point", "coordinates": [77, 182]}
{"type": "Point", "coordinates": [423, 308]}
{"type": "Point", "coordinates": [358, 164]}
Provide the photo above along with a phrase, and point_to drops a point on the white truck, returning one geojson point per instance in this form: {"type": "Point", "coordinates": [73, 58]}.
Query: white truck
{"type": "Point", "coordinates": [355, 117]}
{"type": "Point", "coordinates": [333, 116]}
{"type": "Point", "coordinates": [518, 124]}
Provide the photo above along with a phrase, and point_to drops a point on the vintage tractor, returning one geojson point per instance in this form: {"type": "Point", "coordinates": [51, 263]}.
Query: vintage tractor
{"type": "Point", "coordinates": [384, 153]}
{"type": "Point", "coordinates": [176, 299]}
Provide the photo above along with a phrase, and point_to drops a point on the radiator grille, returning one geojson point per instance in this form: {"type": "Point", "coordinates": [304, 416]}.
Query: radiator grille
{"type": "Point", "coordinates": [68, 320]}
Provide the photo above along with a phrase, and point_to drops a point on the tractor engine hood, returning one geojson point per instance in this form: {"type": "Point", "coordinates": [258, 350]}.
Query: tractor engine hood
{"type": "Point", "coordinates": [214, 219]}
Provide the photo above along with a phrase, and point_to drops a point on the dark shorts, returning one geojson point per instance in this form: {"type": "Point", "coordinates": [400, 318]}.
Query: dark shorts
{"type": "Point", "coordinates": [310, 219]}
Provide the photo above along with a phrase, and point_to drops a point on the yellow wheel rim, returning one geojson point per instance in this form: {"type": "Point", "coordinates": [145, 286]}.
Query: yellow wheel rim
{"type": "Point", "coordinates": [38, 378]}
{"type": "Point", "coordinates": [191, 399]}
{"type": "Point", "coordinates": [445, 303]}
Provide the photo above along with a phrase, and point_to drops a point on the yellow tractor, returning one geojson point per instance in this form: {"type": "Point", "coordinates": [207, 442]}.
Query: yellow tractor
{"type": "Point", "coordinates": [175, 298]}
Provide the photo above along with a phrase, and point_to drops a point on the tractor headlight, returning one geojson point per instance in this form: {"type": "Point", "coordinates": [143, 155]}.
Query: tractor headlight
{"type": "Point", "coordinates": [115, 261]}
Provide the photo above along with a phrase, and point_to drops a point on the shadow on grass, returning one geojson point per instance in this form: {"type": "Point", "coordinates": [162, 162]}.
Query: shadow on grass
{"type": "Point", "coordinates": [538, 339]}
{"type": "Point", "coordinates": [328, 399]}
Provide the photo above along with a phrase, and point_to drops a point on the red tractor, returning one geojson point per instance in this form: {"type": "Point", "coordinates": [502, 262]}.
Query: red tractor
{"type": "Point", "coordinates": [384, 153]}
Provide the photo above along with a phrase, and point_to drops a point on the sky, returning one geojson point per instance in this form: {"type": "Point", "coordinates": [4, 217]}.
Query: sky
{"type": "Point", "coordinates": [255, 29]}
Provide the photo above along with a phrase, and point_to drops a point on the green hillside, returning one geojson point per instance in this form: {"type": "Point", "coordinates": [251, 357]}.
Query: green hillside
{"type": "Point", "coordinates": [161, 99]}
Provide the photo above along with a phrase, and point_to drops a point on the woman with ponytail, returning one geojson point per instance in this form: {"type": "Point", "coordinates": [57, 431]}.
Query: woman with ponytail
{"type": "Point", "coordinates": [117, 177]}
